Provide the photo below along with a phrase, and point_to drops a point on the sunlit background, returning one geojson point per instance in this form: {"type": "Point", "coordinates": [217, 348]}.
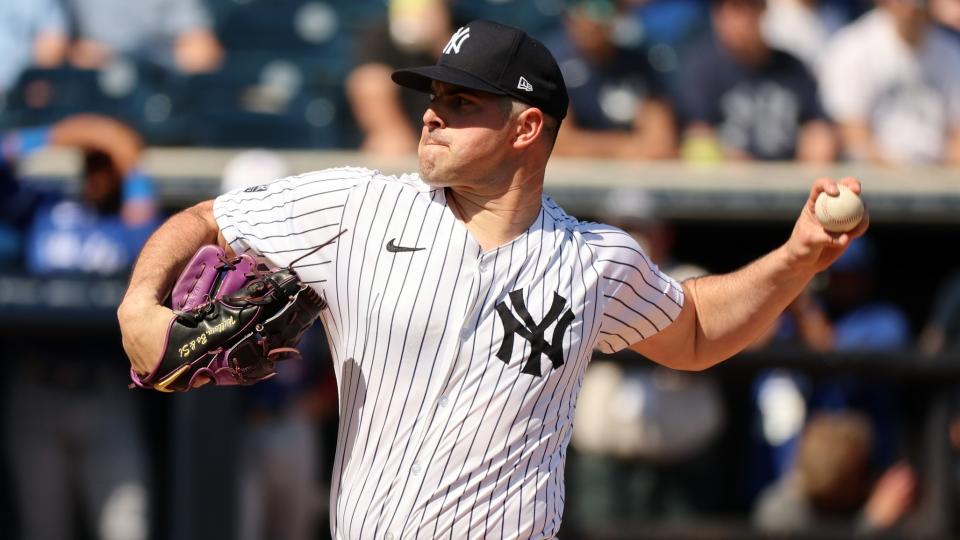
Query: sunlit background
{"type": "Point", "coordinates": [696, 125]}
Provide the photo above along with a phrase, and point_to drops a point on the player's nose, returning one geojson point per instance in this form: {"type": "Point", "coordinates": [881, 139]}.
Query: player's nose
{"type": "Point", "coordinates": [432, 120]}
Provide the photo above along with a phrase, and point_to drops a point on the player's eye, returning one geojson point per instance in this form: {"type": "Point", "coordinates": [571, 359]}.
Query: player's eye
{"type": "Point", "coordinates": [461, 102]}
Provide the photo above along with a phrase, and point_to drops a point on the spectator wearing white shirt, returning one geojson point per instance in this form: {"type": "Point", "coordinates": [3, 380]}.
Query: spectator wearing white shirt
{"type": "Point", "coordinates": [892, 81]}
{"type": "Point", "coordinates": [176, 34]}
{"type": "Point", "coordinates": [801, 27]}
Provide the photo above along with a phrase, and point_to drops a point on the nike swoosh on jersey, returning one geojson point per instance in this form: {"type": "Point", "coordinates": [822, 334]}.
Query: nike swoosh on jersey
{"type": "Point", "coordinates": [393, 248]}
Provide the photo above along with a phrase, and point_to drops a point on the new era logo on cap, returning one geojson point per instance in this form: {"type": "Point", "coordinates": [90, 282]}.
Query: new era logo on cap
{"type": "Point", "coordinates": [498, 59]}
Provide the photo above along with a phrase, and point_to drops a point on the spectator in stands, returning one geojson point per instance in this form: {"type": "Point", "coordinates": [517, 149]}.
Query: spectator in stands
{"type": "Point", "coordinates": [71, 426]}
{"type": "Point", "coordinates": [175, 34]}
{"type": "Point", "coordinates": [801, 27]}
{"type": "Point", "coordinates": [667, 29]}
{"type": "Point", "coordinates": [32, 33]}
{"type": "Point", "coordinates": [829, 483]}
{"type": "Point", "coordinates": [892, 81]}
{"type": "Point", "coordinates": [947, 14]}
{"type": "Point", "coordinates": [942, 331]}
{"type": "Point", "coordinates": [280, 450]}
{"type": "Point", "coordinates": [747, 99]}
{"type": "Point", "coordinates": [617, 109]}
{"type": "Point", "coordinates": [390, 117]}
{"type": "Point", "coordinates": [849, 317]}
{"type": "Point", "coordinates": [17, 204]}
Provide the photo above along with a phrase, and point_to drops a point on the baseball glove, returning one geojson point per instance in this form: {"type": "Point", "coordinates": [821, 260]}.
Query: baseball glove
{"type": "Point", "coordinates": [234, 321]}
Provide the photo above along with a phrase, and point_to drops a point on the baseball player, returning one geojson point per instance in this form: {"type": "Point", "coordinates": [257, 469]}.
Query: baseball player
{"type": "Point", "coordinates": [463, 305]}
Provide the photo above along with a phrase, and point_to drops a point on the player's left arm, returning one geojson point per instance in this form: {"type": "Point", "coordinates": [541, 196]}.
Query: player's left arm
{"type": "Point", "coordinates": [722, 314]}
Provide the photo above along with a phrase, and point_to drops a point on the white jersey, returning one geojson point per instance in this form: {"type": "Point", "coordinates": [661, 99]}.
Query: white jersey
{"type": "Point", "coordinates": [458, 369]}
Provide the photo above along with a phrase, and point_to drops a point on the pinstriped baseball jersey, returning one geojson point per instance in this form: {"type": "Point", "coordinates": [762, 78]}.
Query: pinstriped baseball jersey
{"type": "Point", "coordinates": [458, 369]}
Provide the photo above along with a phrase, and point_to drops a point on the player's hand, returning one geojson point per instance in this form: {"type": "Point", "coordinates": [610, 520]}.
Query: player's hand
{"type": "Point", "coordinates": [144, 325]}
{"type": "Point", "coordinates": [813, 248]}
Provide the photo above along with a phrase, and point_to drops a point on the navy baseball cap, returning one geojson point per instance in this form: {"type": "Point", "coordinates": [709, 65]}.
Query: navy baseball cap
{"type": "Point", "coordinates": [491, 57]}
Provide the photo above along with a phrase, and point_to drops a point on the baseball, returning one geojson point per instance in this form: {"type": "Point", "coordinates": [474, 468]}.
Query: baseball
{"type": "Point", "coordinates": [841, 213]}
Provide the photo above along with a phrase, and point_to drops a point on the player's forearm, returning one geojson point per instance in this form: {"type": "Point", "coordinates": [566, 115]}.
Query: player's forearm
{"type": "Point", "coordinates": [167, 250]}
{"type": "Point", "coordinates": [734, 309]}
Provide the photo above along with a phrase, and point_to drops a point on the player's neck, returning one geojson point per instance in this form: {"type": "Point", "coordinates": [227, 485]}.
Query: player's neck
{"type": "Point", "coordinates": [497, 218]}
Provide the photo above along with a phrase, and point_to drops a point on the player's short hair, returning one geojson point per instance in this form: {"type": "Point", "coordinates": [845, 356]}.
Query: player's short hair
{"type": "Point", "coordinates": [512, 107]}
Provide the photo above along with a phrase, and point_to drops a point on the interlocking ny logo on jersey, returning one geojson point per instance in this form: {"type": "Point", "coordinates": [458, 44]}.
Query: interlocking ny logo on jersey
{"type": "Point", "coordinates": [533, 332]}
{"type": "Point", "coordinates": [456, 40]}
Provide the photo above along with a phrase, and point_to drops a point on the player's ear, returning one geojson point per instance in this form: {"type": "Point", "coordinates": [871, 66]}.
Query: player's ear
{"type": "Point", "coordinates": [528, 127]}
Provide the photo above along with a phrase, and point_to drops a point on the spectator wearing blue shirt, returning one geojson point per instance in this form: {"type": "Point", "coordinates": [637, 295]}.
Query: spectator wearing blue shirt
{"type": "Point", "coordinates": [80, 438]}
{"type": "Point", "coordinates": [742, 99]}
{"type": "Point", "coordinates": [617, 108]}
{"type": "Point", "coordinates": [850, 317]}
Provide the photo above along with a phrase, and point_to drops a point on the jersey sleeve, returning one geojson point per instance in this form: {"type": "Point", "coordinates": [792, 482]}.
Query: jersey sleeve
{"type": "Point", "coordinates": [639, 299]}
{"type": "Point", "coordinates": [285, 219]}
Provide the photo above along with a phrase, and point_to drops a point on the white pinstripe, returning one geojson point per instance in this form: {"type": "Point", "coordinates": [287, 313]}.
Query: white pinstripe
{"type": "Point", "coordinates": [439, 438]}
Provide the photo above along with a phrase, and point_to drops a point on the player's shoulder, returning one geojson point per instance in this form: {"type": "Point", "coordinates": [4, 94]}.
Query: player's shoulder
{"type": "Point", "coordinates": [607, 240]}
{"type": "Point", "coordinates": [352, 175]}
{"type": "Point", "coordinates": [602, 231]}
{"type": "Point", "coordinates": [356, 177]}
{"type": "Point", "coordinates": [604, 240]}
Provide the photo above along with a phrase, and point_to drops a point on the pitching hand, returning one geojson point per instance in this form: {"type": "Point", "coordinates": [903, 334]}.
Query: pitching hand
{"type": "Point", "coordinates": [810, 245]}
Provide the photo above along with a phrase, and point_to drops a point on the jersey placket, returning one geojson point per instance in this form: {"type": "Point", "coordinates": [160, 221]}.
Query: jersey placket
{"type": "Point", "coordinates": [429, 428]}
{"type": "Point", "coordinates": [476, 287]}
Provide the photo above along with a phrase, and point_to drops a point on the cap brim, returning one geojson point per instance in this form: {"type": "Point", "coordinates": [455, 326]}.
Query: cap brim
{"type": "Point", "coordinates": [420, 78]}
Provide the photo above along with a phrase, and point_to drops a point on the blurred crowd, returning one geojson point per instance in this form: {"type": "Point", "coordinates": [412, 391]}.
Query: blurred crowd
{"type": "Point", "coordinates": [704, 80]}
{"type": "Point", "coordinates": [701, 80]}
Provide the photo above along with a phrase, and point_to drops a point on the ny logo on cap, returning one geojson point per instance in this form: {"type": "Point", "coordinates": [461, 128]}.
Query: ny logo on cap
{"type": "Point", "coordinates": [525, 85]}
{"type": "Point", "coordinates": [456, 40]}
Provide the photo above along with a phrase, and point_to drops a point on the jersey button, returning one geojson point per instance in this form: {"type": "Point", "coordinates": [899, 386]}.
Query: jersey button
{"type": "Point", "coordinates": [483, 266]}
{"type": "Point", "coordinates": [443, 401]}
{"type": "Point", "coordinates": [465, 333]}
{"type": "Point", "coordinates": [388, 536]}
{"type": "Point", "coordinates": [416, 469]}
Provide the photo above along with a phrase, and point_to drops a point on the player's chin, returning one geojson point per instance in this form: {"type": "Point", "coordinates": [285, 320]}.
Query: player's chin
{"type": "Point", "coordinates": [429, 172]}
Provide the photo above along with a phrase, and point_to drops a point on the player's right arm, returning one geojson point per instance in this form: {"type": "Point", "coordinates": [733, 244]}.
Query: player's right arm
{"type": "Point", "coordinates": [280, 222]}
{"type": "Point", "coordinates": [143, 318]}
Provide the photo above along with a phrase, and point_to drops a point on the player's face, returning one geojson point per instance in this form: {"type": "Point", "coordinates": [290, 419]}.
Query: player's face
{"type": "Point", "coordinates": [465, 137]}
